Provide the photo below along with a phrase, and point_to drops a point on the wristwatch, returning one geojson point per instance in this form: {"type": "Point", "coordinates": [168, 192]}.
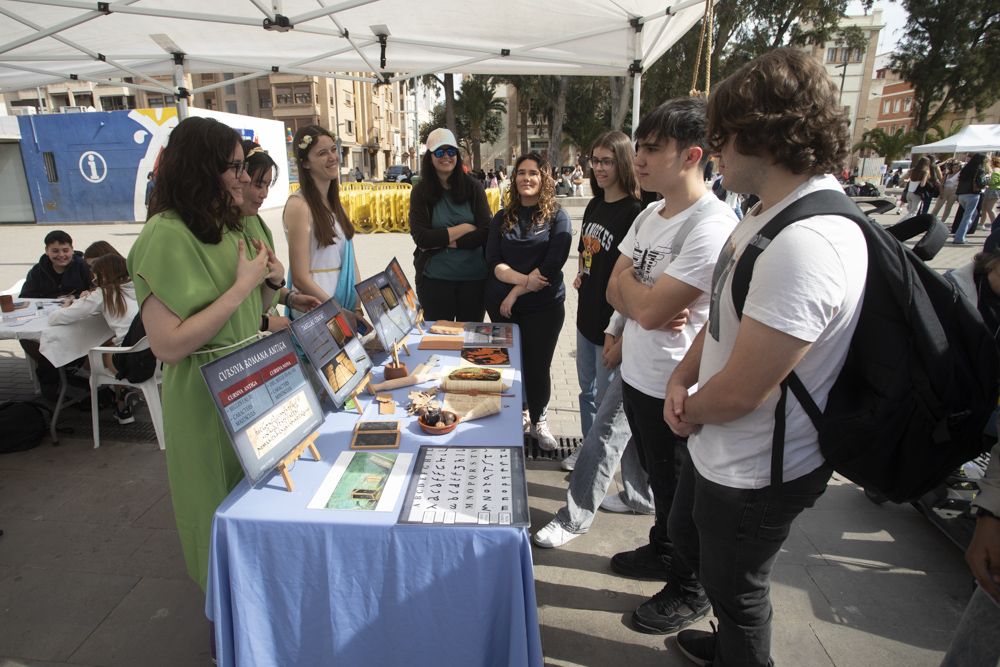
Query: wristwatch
{"type": "Point", "coordinates": [265, 322]}
{"type": "Point", "coordinates": [274, 286]}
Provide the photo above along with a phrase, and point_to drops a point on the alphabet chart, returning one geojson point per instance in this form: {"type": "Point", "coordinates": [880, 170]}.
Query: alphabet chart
{"type": "Point", "coordinates": [467, 486]}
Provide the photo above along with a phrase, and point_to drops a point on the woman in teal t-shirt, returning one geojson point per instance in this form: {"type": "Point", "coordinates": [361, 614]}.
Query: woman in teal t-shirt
{"type": "Point", "coordinates": [449, 222]}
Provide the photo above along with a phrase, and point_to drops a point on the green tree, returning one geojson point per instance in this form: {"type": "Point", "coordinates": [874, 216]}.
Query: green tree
{"type": "Point", "coordinates": [949, 54]}
{"type": "Point", "coordinates": [476, 103]}
{"type": "Point", "coordinates": [890, 146]}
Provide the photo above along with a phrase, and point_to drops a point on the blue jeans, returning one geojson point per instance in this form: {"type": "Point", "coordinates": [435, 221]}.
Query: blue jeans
{"type": "Point", "coordinates": [976, 638]}
{"type": "Point", "coordinates": [594, 379]}
{"type": "Point", "coordinates": [608, 441]}
{"type": "Point", "coordinates": [730, 539]}
{"type": "Point", "coordinates": [969, 204]}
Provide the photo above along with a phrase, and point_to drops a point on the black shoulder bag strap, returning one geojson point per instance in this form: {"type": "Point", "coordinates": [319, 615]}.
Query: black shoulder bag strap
{"type": "Point", "coordinates": [822, 202]}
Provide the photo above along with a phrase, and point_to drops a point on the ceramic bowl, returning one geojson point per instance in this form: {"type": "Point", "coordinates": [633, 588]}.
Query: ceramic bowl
{"type": "Point", "coordinates": [439, 429]}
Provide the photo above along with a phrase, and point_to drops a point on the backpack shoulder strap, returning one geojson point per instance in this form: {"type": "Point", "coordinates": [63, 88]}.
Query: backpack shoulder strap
{"type": "Point", "coordinates": [823, 202]}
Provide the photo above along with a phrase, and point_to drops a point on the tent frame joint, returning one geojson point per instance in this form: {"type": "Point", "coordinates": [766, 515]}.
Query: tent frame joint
{"type": "Point", "coordinates": [104, 7]}
{"type": "Point", "coordinates": [280, 23]}
{"type": "Point", "coordinates": [635, 67]}
{"type": "Point", "coordinates": [636, 23]}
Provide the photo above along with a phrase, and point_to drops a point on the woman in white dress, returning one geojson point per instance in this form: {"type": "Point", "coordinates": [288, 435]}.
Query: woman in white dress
{"type": "Point", "coordinates": [319, 233]}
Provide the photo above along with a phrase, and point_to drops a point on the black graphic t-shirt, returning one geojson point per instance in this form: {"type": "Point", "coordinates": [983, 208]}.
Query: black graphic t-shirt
{"type": "Point", "coordinates": [604, 226]}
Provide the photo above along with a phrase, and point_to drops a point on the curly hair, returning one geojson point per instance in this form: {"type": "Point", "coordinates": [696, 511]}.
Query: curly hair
{"type": "Point", "coordinates": [188, 178]}
{"type": "Point", "coordinates": [323, 219]}
{"type": "Point", "coordinates": [547, 204]}
{"type": "Point", "coordinates": [782, 104]}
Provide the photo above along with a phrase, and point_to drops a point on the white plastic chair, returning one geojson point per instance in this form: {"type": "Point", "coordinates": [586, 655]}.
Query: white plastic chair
{"type": "Point", "coordinates": [14, 289]}
{"type": "Point", "coordinates": [99, 375]}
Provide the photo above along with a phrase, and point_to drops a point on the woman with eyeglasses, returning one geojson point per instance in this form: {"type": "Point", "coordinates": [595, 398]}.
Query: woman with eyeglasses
{"type": "Point", "coordinates": [528, 244]}
{"type": "Point", "coordinates": [263, 171]}
{"type": "Point", "coordinates": [449, 221]}
{"type": "Point", "coordinates": [202, 276]}
{"type": "Point", "coordinates": [319, 233]}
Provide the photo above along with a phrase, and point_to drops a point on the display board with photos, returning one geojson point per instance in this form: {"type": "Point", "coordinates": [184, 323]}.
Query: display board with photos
{"type": "Point", "coordinates": [334, 350]}
{"type": "Point", "coordinates": [467, 486]}
{"type": "Point", "coordinates": [402, 286]}
{"type": "Point", "coordinates": [386, 308]}
{"type": "Point", "coordinates": [488, 334]}
{"type": "Point", "coordinates": [267, 405]}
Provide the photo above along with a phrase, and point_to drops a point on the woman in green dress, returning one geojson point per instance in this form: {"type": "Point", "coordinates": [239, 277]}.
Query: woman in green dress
{"type": "Point", "coordinates": [202, 281]}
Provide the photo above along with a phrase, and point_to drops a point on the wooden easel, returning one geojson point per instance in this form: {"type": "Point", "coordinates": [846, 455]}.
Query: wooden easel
{"type": "Point", "coordinates": [355, 395]}
{"type": "Point", "coordinates": [420, 321]}
{"type": "Point", "coordinates": [285, 464]}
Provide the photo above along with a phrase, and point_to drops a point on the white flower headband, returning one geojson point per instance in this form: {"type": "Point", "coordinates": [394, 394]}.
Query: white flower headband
{"type": "Point", "coordinates": [256, 150]}
{"type": "Point", "coordinates": [306, 140]}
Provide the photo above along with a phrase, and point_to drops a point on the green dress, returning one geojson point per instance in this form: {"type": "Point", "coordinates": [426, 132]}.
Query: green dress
{"type": "Point", "coordinates": [187, 276]}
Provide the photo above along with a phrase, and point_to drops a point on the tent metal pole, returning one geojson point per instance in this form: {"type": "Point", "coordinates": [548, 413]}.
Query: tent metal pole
{"type": "Point", "coordinates": [636, 98]}
{"type": "Point", "coordinates": [181, 93]}
{"type": "Point", "coordinates": [636, 70]}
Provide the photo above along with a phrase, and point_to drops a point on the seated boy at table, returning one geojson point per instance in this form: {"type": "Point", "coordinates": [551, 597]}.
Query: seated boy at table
{"type": "Point", "coordinates": [60, 272]}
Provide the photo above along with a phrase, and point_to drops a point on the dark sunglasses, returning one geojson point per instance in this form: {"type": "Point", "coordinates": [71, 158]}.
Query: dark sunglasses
{"type": "Point", "coordinates": [447, 150]}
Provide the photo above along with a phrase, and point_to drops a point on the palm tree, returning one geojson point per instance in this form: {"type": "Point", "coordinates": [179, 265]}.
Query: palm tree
{"type": "Point", "coordinates": [477, 102]}
{"type": "Point", "coordinates": [890, 146]}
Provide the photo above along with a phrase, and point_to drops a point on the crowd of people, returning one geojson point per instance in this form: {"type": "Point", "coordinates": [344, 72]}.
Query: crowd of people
{"type": "Point", "coordinates": [678, 383]}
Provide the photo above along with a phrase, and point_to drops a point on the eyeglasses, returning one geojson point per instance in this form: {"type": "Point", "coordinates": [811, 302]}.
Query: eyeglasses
{"type": "Point", "coordinates": [606, 163]}
{"type": "Point", "coordinates": [239, 167]}
{"type": "Point", "coordinates": [447, 150]}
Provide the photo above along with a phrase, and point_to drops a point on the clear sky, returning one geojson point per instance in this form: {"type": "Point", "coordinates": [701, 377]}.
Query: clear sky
{"type": "Point", "coordinates": [894, 17]}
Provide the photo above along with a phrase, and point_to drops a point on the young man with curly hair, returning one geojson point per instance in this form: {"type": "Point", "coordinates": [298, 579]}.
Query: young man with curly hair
{"type": "Point", "coordinates": [780, 132]}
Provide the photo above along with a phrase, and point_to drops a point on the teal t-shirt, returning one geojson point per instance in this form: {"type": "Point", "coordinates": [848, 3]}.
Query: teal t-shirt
{"type": "Point", "coordinates": [454, 263]}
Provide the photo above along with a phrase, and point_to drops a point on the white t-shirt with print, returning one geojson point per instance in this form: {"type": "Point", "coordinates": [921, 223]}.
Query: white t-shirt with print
{"type": "Point", "coordinates": [808, 283]}
{"type": "Point", "coordinates": [649, 357]}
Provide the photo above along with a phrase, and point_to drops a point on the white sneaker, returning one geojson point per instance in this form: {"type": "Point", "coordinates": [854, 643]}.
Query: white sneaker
{"type": "Point", "coordinates": [613, 503]}
{"type": "Point", "coordinates": [569, 462]}
{"type": "Point", "coordinates": [541, 433]}
{"type": "Point", "coordinates": [526, 422]}
{"type": "Point", "coordinates": [552, 535]}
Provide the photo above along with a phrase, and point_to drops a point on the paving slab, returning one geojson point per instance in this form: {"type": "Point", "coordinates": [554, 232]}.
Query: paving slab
{"type": "Point", "coordinates": [46, 614]}
{"type": "Point", "coordinates": [160, 613]}
{"type": "Point", "coordinates": [69, 545]}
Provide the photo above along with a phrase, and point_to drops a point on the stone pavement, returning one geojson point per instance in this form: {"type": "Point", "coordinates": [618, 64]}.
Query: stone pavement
{"type": "Point", "coordinates": [91, 573]}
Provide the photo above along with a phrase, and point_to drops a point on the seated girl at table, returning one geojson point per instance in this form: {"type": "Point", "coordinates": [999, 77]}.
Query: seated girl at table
{"type": "Point", "coordinates": [263, 171]}
{"type": "Point", "coordinates": [98, 249]}
{"type": "Point", "coordinates": [114, 300]}
{"type": "Point", "coordinates": [200, 274]}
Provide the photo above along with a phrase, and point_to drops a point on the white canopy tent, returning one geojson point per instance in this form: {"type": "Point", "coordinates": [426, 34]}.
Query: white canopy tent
{"type": "Point", "coordinates": [970, 139]}
{"type": "Point", "coordinates": [47, 41]}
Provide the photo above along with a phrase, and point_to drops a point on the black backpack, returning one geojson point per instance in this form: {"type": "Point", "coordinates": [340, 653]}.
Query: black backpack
{"type": "Point", "coordinates": [135, 366]}
{"type": "Point", "coordinates": [920, 379]}
{"type": "Point", "coordinates": [22, 425]}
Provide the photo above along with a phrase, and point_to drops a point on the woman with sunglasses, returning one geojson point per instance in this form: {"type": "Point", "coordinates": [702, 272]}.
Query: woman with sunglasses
{"type": "Point", "coordinates": [449, 221]}
{"type": "Point", "coordinates": [528, 244]}
{"type": "Point", "coordinates": [202, 276]}
{"type": "Point", "coordinates": [319, 233]}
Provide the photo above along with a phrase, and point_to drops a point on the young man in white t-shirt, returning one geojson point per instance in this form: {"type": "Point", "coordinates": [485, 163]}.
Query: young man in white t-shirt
{"type": "Point", "coordinates": [781, 132]}
{"type": "Point", "coordinates": [665, 271]}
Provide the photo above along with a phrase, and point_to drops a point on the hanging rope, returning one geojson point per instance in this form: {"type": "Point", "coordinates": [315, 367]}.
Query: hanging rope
{"type": "Point", "coordinates": [704, 40]}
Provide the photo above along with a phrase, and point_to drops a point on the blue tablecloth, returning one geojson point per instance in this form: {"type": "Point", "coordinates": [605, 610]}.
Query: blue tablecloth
{"type": "Point", "coordinates": [293, 586]}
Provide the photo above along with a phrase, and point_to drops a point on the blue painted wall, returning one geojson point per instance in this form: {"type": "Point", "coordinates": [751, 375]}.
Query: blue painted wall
{"type": "Point", "coordinates": [97, 187]}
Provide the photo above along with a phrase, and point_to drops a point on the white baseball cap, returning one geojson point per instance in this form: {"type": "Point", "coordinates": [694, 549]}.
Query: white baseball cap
{"type": "Point", "coordinates": [442, 136]}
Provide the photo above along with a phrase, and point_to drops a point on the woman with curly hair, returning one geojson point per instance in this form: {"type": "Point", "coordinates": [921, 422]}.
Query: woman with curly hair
{"type": "Point", "coordinates": [202, 278]}
{"type": "Point", "coordinates": [449, 220]}
{"type": "Point", "coordinates": [320, 250]}
{"type": "Point", "coordinates": [528, 244]}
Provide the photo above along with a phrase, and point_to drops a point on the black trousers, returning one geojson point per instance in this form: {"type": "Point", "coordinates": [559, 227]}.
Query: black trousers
{"type": "Point", "coordinates": [455, 300]}
{"type": "Point", "coordinates": [730, 539]}
{"type": "Point", "coordinates": [658, 448]}
{"type": "Point", "coordinates": [539, 335]}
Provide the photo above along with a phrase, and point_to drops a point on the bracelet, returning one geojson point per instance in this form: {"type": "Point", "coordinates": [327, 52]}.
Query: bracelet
{"type": "Point", "coordinates": [526, 281]}
{"type": "Point", "coordinates": [265, 322]}
{"type": "Point", "coordinates": [274, 286]}
{"type": "Point", "coordinates": [288, 297]}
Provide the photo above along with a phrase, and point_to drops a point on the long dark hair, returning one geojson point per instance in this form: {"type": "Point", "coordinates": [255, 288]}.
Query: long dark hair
{"type": "Point", "coordinates": [621, 147]}
{"type": "Point", "coordinates": [322, 215]}
{"type": "Point", "coordinates": [187, 179]}
{"type": "Point", "coordinates": [110, 273]}
{"type": "Point", "coordinates": [258, 162]}
{"type": "Point", "coordinates": [547, 204]}
{"type": "Point", "coordinates": [974, 165]}
{"type": "Point", "coordinates": [459, 183]}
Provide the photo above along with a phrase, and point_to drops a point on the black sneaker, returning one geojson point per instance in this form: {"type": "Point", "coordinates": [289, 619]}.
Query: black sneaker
{"type": "Point", "coordinates": [698, 646]}
{"type": "Point", "coordinates": [124, 414]}
{"type": "Point", "coordinates": [642, 563]}
{"type": "Point", "coordinates": [670, 610]}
